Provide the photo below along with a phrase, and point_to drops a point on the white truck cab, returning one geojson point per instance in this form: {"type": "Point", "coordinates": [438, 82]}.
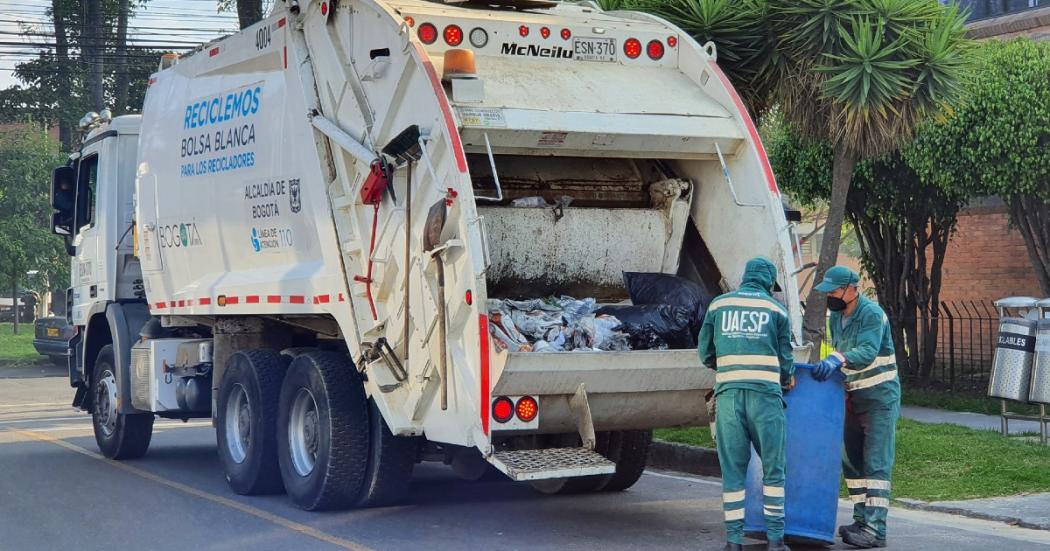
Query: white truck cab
{"type": "Point", "coordinates": [300, 236]}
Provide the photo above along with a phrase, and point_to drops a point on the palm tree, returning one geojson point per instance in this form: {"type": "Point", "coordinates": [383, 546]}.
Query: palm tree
{"type": "Point", "coordinates": [857, 74]}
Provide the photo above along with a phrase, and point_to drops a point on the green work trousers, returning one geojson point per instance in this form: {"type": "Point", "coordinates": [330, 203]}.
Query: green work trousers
{"type": "Point", "coordinates": [746, 418]}
{"type": "Point", "coordinates": [867, 461]}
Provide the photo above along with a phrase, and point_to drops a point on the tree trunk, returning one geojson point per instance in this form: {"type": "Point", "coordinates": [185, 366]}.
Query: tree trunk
{"type": "Point", "coordinates": [120, 87]}
{"type": "Point", "coordinates": [249, 12]}
{"type": "Point", "coordinates": [93, 52]}
{"type": "Point", "coordinates": [1031, 216]}
{"type": "Point", "coordinates": [65, 129]}
{"type": "Point", "coordinates": [813, 323]}
{"type": "Point", "coordinates": [14, 298]}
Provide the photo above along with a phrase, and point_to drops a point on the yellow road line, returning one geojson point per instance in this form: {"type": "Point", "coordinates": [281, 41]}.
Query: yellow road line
{"type": "Point", "coordinates": [248, 509]}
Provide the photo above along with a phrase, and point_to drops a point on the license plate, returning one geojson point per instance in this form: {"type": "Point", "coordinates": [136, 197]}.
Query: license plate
{"type": "Point", "coordinates": [52, 331]}
{"type": "Point", "coordinates": [594, 49]}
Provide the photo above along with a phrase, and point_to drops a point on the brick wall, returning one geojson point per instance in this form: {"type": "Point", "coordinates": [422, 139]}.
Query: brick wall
{"type": "Point", "coordinates": [986, 260]}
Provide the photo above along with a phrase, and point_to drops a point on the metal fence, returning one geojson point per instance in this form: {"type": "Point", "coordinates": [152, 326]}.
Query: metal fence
{"type": "Point", "coordinates": [966, 337]}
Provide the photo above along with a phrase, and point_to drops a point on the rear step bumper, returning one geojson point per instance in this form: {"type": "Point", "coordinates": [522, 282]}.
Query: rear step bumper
{"type": "Point", "coordinates": [625, 390]}
{"type": "Point", "coordinates": [551, 463]}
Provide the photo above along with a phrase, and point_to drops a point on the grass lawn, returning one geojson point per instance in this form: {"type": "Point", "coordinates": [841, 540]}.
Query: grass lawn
{"type": "Point", "coordinates": [960, 401]}
{"type": "Point", "coordinates": [945, 462]}
{"type": "Point", "coordinates": [17, 349]}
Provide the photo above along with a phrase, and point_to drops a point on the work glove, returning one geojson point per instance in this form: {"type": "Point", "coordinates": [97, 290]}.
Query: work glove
{"type": "Point", "coordinates": [828, 366]}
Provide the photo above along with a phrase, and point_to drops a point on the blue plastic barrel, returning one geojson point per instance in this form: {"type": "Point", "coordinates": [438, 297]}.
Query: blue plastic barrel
{"type": "Point", "coordinates": [815, 412]}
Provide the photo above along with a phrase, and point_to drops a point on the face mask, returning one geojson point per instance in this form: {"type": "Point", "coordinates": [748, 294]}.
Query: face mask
{"type": "Point", "coordinates": [836, 304]}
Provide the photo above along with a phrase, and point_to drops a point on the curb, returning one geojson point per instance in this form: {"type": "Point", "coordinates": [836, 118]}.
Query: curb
{"type": "Point", "coordinates": [919, 505]}
{"type": "Point", "coordinates": [684, 458]}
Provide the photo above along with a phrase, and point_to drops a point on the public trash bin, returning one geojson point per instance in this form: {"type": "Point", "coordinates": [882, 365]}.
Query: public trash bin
{"type": "Point", "coordinates": [1014, 351]}
{"type": "Point", "coordinates": [1039, 389]}
{"type": "Point", "coordinates": [815, 412]}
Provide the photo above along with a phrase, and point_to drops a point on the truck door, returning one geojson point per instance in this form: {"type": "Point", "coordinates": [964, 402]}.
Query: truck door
{"type": "Point", "coordinates": [88, 274]}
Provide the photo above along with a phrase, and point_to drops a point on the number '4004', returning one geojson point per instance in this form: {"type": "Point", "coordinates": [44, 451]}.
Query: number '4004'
{"type": "Point", "coordinates": [262, 38]}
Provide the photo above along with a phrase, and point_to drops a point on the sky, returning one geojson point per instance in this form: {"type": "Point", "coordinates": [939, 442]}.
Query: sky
{"type": "Point", "coordinates": [159, 21]}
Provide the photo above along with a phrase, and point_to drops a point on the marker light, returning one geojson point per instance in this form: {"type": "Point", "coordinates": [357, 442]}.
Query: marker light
{"type": "Point", "coordinates": [672, 41]}
{"type": "Point", "coordinates": [478, 37]}
{"type": "Point", "coordinates": [427, 33]}
{"type": "Point", "coordinates": [655, 49]}
{"type": "Point", "coordinates": [468, 297]}
{"type": "Point", "coordinates": [523, 30]}
{"type": "Point", "coordinates": [453, 35]}
{"type": "Point", "coordinates": [632, 48]}
{"type": "Point", "coordinates": [565, 34]}
{"type": "Point", "coordinates": [410, 20]}
{"type": "Point", "coordinates": [502, 409]}
{"type": "Point", "coordinates": [527, 408]}
{"type": "Point", "coordinates": [545, 32]}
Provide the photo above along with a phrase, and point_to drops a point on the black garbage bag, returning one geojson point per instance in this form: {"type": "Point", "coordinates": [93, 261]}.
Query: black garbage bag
{"type": "Point", "coordinates": [658, 288]}
{"type": "Point", "coordinates": [655, 326]}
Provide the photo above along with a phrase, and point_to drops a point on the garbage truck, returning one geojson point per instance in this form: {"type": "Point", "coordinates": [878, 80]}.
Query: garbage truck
{"type": "Point", "coordinates": [299, 236]}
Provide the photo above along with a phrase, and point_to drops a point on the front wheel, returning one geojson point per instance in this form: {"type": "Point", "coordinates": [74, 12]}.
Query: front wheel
{"type": "Point", "coordinates": [118, 435]}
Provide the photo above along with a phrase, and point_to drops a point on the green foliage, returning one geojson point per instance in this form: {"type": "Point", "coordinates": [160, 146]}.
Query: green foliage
{"type": "Point", "coordinates": [998, 140]}
{"type": "Point", "coordinates": [16, 349]}
{"type": "Point", "coordinates": [27, 156]}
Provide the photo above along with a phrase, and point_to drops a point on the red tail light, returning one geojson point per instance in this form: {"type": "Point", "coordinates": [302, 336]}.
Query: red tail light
{"type": "Point", "coordinates": [454, 35]}
{"type": "Point", "coordinates": [655, 49]}
{"type": "Point", "coordinates": [527, 408]}
{"type": "Point", "coordinates": [672, 41]}
{"type": "Point", "coordinates": [502, 409]}
{"type": "Point", "coordinates": [523, 30]}
{"type": "Point", "coordinates": [428, 33]}
{"type": "Point", "coordinates": [469, 297]}
{"type": "Point", "coordinates": [545, 32]}
{"type": "Point", "coordinates": [632, 48]}
{"type": "Point", "coordinates": [565, 34]}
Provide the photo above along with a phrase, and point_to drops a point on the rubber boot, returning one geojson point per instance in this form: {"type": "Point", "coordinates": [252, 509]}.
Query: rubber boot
{"type": "Point", "coordinates": [777, 545]}
{"type": "Point", "coordinates": [862, 538]}
{"type": "Point", "coordinates": [734, 547]}
{"type": "Point", "coordinates": [842, 529]}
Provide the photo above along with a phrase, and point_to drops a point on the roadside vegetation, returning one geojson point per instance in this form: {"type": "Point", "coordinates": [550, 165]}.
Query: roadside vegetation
{"type": "Point", "coordinates": [17, 349]}
{"type": "Point", "coordinates": [944, 462]}
{"type": "Point", "coordinates": [974, 402]}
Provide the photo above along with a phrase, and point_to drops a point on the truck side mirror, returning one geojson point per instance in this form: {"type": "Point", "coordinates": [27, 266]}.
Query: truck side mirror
{"type": "Point", "coordinates": [63, 199]}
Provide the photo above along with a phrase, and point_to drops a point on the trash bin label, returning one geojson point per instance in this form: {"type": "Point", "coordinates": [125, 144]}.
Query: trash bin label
{"type": "Point", "coordinates": [1017, 341]}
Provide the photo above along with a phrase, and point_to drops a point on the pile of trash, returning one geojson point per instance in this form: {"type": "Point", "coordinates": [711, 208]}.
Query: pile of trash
{"type": "Point", "coordinates": [666, 314]}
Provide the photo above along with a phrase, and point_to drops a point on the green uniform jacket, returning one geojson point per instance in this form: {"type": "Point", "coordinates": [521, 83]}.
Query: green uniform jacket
{"type": "Point", "coordinates": [867, 346]}
{"type": "Point", "coordinates": [746, 337]}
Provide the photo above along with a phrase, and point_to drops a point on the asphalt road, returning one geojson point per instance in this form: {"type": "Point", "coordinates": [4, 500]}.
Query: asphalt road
{"type": "Point", "coordinates": [56, 492]}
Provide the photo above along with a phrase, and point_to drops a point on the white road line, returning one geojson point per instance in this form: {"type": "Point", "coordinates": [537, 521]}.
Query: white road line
{"type": "Point", "coordinates": [37, 404]}
{"type": "Point", "coordinates": [684, 478]}
{"type": "Point", "coordinates": [43, 419]}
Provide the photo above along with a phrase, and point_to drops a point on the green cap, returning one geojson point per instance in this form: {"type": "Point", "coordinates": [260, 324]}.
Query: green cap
{"type": "Point", "coordinates": [837, 276]}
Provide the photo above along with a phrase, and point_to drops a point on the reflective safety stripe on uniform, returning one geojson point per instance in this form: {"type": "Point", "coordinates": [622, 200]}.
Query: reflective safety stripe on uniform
{"type": "Point", "coordinates": [733, 505]}
{"type": "Point", "coordinates": [773, 504]}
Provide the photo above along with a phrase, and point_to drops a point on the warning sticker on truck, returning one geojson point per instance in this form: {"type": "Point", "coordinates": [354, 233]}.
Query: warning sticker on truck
{"type": "Point", "coordinates": [552, 139]}
{"type": "Point", "coordinates": [481, 117]}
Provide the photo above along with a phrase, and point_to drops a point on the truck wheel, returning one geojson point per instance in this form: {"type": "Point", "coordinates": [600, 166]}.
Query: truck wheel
{"type": "Point", "coordinates": [577, 484]}
{"type": "Point", "coordinates": [390, 463]}
{"type": "Point", "coordinates": [247, 421]}
{"type": "Point", "coordinates": [324, 432]}
{"type": "Point", "coordinates": [118, 435]}
{"type": "Point", "coordinates": [629, 449]}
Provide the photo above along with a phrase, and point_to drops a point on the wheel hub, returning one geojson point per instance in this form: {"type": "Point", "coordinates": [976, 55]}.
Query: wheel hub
{"type": "Point", "coordinates": [106, 403]}
{"type": "Point", "coordinates": [303, 432]}
{"type": "Point", "coordinates": [238, 424]}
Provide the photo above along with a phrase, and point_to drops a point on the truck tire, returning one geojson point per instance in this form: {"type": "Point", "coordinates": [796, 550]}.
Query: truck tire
{"type": "Point", "coordinates": [247, 421]}
{"type": "Point", "coordinates": [577, 484]}
{"type": "Point", "coordinates": [323, 440]}
{"type": "Point", "coordinates": [629, 449]}
{"type": "Point", "coordinates": [118, 435]}
{"type": "Point", "coordinates": [391, 460]}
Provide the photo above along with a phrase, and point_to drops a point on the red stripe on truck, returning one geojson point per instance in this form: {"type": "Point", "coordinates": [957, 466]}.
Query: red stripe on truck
{"type": "Point", "coordinates": [213, 52]}
{"type": "Point", "coordinates": [251, 299]}
{"type": "Point", "coordinates": [297, 299]}
{"type": "Point", "coordinates": [161, 305]}
{"type": "Point", "coordinates": [233, 300]}
{"type": "Point", "coordinates": [446, 111]}
{"type": "Point", "coordinates": [483, 346]}
{"type": "Point", "coordinates": [204, 301]}
{"type": "Point", "coordinates": [280, 22]}
{"type": "Point", "coordinates": [751, 129]}
{"type": "Point", "coordinates": [273, 299]}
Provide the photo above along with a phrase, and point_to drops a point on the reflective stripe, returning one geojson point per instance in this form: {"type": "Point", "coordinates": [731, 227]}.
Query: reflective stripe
{"type": "Point", "coordinates": [747, 375]}
{"type": "Point", "coordinates": [773, 491]}
{"type": "Point", "coordinates": [730, 497]}
{"type": "Point", "coordinates": [858, 498]}
{"type": "Point", "coordinates": [776, 507]}
{"type": "Point", "coordinates": [856, 483]}
{"type": "Point", "coordinates": [735, 514]}
{"type": "Point", "coordinates": [877, 502]}
{"type": "Point", "coordinates": [879, 362]}
{"type": "Point", "coordinates": [748, 359]}
{"type": "Point", "coordinates": [872, 381]}
{"type": "Point", "coordinates": [878, 484]}
{"type": "Point", "coordinates": [747, 303]}
{"type": "Point", "coordinates": [772, 512]}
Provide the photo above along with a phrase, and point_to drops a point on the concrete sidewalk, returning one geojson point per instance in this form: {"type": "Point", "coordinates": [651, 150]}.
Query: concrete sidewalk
{"type": "Point", "coordinates": [1026, 511]}
{"type": "Point", "coordinates": [976, 421]}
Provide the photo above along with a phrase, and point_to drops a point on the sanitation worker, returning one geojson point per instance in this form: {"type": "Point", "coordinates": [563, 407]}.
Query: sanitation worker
{"type": "Point", "coordinates": [746, 337]}
{"type": "Point", "coordinates": [864, 353]}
